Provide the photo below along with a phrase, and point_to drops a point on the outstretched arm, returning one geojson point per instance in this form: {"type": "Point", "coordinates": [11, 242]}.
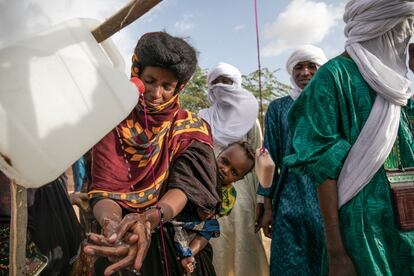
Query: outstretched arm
{"type": "Point", "coordinates": [108, 214]}
{"type": "Point", "coordinates": [134, 229]}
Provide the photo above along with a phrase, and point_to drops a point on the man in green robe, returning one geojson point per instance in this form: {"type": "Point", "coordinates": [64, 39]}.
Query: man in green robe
{"type": "Point", "coordinates": [353, 121]}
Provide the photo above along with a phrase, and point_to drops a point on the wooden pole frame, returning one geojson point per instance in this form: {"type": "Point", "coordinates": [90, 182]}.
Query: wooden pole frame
{"type": "Point", "coordinates": [18, 229]}
{"type": "Point", "coordinates": [123, 18]}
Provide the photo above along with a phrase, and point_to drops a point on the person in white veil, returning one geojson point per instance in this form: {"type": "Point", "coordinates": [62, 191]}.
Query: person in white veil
{"type": "Point", "coordinates": [233, 117]}
{"type": "Point", "coordinates": [292, 218]}
{"type": "Point", "coordinates": [234, 110]}
{"type": "Point", "coordinates": [352, 134]}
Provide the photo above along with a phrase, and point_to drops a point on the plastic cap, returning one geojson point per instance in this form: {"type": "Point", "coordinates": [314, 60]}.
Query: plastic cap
{"type": "Point", "coordinates": [139, 84]}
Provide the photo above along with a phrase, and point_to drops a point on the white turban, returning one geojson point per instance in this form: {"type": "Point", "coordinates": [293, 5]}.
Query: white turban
{"type": "Point", "coordinates": [303, 53]}
{"type": "Point", "coordinates": [226, 70]}
{"type": "Point", "coordinates": [378, 32]}
{"type": "Point", "coordinates": [234, 110]}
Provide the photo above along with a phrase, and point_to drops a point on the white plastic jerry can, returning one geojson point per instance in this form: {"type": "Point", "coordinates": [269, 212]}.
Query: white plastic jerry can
{"type": "Point", "coordinates": [60, 93]}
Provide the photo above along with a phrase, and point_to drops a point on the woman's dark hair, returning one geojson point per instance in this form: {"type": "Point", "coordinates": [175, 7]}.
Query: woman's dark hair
{"type": "Point", "coordinates": [172, 53]}
{"type": "Point", "coordinates": [248, 150]}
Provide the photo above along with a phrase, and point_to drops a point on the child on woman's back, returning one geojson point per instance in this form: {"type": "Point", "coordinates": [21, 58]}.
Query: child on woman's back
{"type": "Point", "coordinates": [233, 163]}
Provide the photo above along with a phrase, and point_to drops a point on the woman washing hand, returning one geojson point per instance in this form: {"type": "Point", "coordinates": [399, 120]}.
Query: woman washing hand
{"type": "Point", "coordinates": [151, 166]}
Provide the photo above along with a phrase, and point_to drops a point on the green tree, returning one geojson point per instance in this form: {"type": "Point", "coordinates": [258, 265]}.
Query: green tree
{"type": "Point", "coordinates": [194, 97]}
{"type": "Point", "coordinates": [271, 87]}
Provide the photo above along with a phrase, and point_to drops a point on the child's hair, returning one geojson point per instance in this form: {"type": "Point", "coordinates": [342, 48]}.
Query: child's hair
{"type": "Point", "coordinates": [248, 150]}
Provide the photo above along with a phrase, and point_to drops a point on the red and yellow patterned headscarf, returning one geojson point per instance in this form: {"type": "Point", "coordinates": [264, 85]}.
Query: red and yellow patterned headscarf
{"type": "Point", "coordinates": [130, 164]}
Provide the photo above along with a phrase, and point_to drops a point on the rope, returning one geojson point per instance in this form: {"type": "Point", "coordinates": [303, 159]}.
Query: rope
{"type": "Point", "coordinates": [261, 120]}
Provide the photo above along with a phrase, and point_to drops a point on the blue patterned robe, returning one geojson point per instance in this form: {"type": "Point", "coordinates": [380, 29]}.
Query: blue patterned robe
{"type": "Point", "coordinates": [298, 238]}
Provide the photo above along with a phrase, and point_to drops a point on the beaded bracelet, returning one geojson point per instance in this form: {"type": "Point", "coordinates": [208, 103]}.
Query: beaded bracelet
{"type": "Point", "coordinates": [160, 213]}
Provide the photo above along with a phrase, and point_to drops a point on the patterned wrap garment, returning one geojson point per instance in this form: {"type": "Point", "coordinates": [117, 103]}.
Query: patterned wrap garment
{"type": "Point", "coordinates": [146, 143]}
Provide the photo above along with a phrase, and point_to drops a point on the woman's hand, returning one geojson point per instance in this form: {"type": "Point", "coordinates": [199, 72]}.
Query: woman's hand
{"type": "Point", "coordinates": [127, 246]}
{"type": "Point", "coordinates": [109, 215]}
{"type": "Point", "coordinates": [126, 241]}
{"type": "Point", "coordinates": [121, 255]}
{"type": "Point", "coordinates": [135, 231]}
{"type": "Point", "coordinates": [109, 228]}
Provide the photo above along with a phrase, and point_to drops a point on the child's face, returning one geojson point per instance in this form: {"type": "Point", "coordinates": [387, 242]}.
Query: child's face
{"type": "Point", "coordinates": [233, 164]}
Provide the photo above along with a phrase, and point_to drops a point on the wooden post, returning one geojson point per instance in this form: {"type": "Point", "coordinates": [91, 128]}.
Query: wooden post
{"type": "Point", "coordinates": [18, 229]}
{"type": "Point", "coordinates": [122, 18]}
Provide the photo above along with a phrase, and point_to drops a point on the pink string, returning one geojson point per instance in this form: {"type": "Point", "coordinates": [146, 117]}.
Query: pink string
{"type": "Point", "coordinates": [259, 65]}
{"type": "Point", "coordinates": [263, 149]}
